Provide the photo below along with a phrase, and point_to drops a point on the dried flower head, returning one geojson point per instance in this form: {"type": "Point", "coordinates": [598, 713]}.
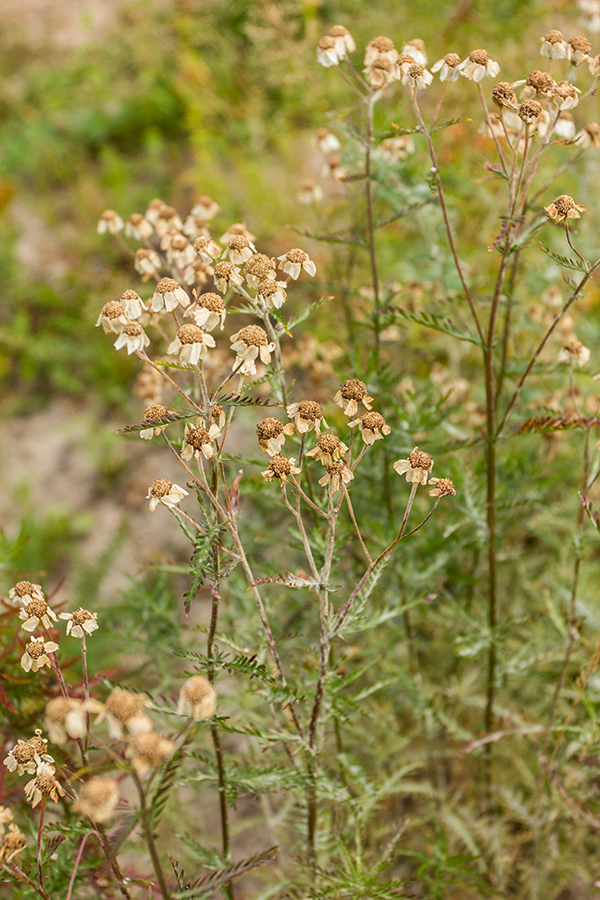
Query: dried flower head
{"type": "Point", "coordinates": [344, 40]}
{"type": "Point", "coordinates": [133, 304]}
{"type": "Point", "coordinates": [239, 249]}
{"type": "Point", "coordinates": [594, 65]}
{"type": "Point", "coordinates": [578, 50]}
{"type": "Point", "coordinates": [281, 468]}
{"type": "Point", "coordinates": [138, 227]}
{"type": "Point", "coordinates": [329, 449]}
{"type": "Point", "coordinates": [133, 337]}
{"type": "Point", "coordinates": [564, 207]}
{"type": "Point", "coordinates": [380, 46]}
{"type": "Point", "coordinates": [529, 111]}
{"type": "Point", "coordinates": [24, 592]}
{"type": "Point", "coordinates": [197, 273]}
{"type": "Point", "coordinates": [206, 208]}
{"type": "Point", "coordinates": [589, 136]}
{"type": "Point", "coordinates": [164, 491]}
{"type": "Point", "coordinates": [180, 252]}
{"type": "Point", "coordinates": [306, 415]}
{"type": "Point", "coordinates": [416, 49]}
{"type": "Point", "coordinates": [36, 654]}
{"type": "Point", "coordinates": [442, 487]}
{"type": "Point", "coordinates": [197, 698]}
{"type": "Point", "coordinates": [448, 67]}
{"type": "Point", "coordinates": [34, 612]}
{"type": "Point", "coordinates": [565, 126]}
{"type": "Point", "coordinates": [226, 274]}
{"type": "Point", "coordinates": [258, 268]}
{"type": "Point", "coordinates": [536, 84]}
{"type": "Point", "coordinates": [294, 261]}
{"type": "Point", "coordinates": [417, 466]}
{"type": "Point", "coordinates": [249, 343]}
{"type": "Point", "coordinates": [310, 193]}
{"type": "Point", "coordinates": [111, 222]}
{"type": "Point", "coordinates": [372, 427]}
{"type": "Point", "coordinates": [417, 76]}
{"type": "Point", "coordinates": [148, 750]}
{"type": "Point", "coordinates": [327, 142]}
{"type": "Point", "coordinates": [198, 440]}
{"type": "Point", "coordinates": [147, 262]}
{"type": "Point", "coordinates": [477, 65]}
{"type": "Point", "coordinates": [112, 317]}
{"type": "Point", "coordinates": [565, 95]}
{"type": "Point", "coordinates": [80, 622]}
{"type": "Point", "coordinates": [167, 218]}
{"type": "Point", "coordinates": [123, 709]}
{"type": "Point", "coordinates": [11, 843]}
{"type": "Point", "coordinates": [328, 52]}
{"type": "Point", "coordinates": [191, 343]}
{"type": "Point", "coordinates": [44, 785]}
{"type": "Point", "coordinates": [153, 210]}
{"type": "Point", "coordinates": [350, 394]}
{"type": "Point", "coordinates": [208, 311]}
{"type": "Point", "coordinates": [503, 95]}
{"type": "Point", "coordinates": [66, 718]}
{"type": "Point", "coordinates": [575, 352]}
{"type": "Point", "coordinates": [195, 227]}
{"type": "Point", "coordinates": [207, 249]}
{"type": "Point", "coordinates": [237, 228]}
{"type": "Point", "coordinates": [272, 293]}
{"type": "Point", "coordinates": [554, 45]}
{"type": "Point", "coordinates": [98, 799]}
{"type": "Point", "coordinates": [152, 417]}
{"type": "Point", "coordinates": [168, 295]}
{"type": "Point", "coordinates": [26, 756]}
{"type": "Point", "coordinates": [381, 71]}
{"type": "Point", "coordinates": [271, 433]}
{"type": "Point", "coordinates": [336, 475]}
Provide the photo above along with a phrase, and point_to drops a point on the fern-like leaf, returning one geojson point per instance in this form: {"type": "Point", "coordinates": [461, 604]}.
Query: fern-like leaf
{"type": "Point", "coordinates": [217, 879]}
{"type": "Point", "coordinates": [290, 579]}
{"type": "Point", "coordinates": [238, 400]}
{"type": "Point", "coordinates": [548, 424]}
{"type": "Point", "coordinates": [566, 262]}
{"type": "Point", "coordinates": [166, 782]}
{"type": "Point", "coordinates": [430, 320]}
{"type": "Point", "coordinates": [153, 423]}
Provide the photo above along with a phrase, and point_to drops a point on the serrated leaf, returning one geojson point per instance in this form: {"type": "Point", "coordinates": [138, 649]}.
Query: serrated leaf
{"type": "Point", "coordinates": [290, 579]}
{"type": "Point", "coordinates": [430, 320]}
{"type": "Point", "coordinates": [548, 424]}
{"type": "Point", "coordinates": [217, 879]}
{"type": "Point", "coordinates": [566, 262]}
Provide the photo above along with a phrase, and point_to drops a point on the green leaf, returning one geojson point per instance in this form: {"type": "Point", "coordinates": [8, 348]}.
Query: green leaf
{"type": "Point", "coordinates": [166, 782]}
{"type": "Point", "coordinates": [564, 261]}
{"type": "Point", "coordinates": [430, 320]}
{"type": "Point", "coordinates": [237, 400]}
{"type": "Point", "coordinates": [449, 123]}
{"type": "Point", "coordinates": [295, 320]}
{"type": "Point", "coordinates": [210, 883]}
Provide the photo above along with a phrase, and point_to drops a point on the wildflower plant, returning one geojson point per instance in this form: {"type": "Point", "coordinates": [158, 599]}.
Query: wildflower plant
{"type": "Point", "coordinates": [292, 611]}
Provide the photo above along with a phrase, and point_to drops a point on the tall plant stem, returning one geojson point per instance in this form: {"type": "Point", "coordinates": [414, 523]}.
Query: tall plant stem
{"type": "Point", "coordinates": [149, 838]}
{"type": "Point", "coordinates": [370, 104]}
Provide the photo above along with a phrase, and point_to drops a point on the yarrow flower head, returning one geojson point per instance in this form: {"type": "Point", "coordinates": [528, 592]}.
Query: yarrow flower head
{"type": "Point", "coordinates": [199, 439]}
{"type": "Point", "coordinates": [306, 415]}
{"type": "Point", "coordinates": [372, 427]}
{"type": "Point", "coordinates": [380, 46]}
{"type": "Point", "coordinates": [259, 268]}
{"type": "Point", "coordinates": [152, 417]}
{"type": "Point", "coordinates": [208, 311]}
{"type": "Point", "coordinates": [281, 468]}
{"type": "Point", "coordinates": [206, 208]}
{"type": "Point", "coordinates": [138, 227]}
{"type": "Point", "coordinates": [43, 785]}
{"type": "Point", "coordinates": [11, 843]}
{"type": "Point", "coordinates": [578, 50]}
{"type": "Point", "coordinates": [66, 717]}
{"type": "Point", "coordinates": [98, 799]}
{"type": "Point", "coordinates": [132, 304]}
{"type": "Point", "coordinates": [133, 337]}
{"type": "Point", "coordinates": [344, 40]}
{"type": "Point", "coordinates": [249, 343]}
{"type": "Point", "coordinates": [147, 262]}
{"type": "Point", "coordinates": [554, 45]}
{"type": "Point", "coordinates": [589, 136]}
{"type": "Point", "coordinates": [226, 274]}
{"type": "Point", "coordinates": [26, 756]}
{"type": "Point", "coordinates": [417, 76]}
{"type": "Point", "coordinates": [168, 294]}
{"type": "Point", "coordinates": [336, 475]}
{"type": "Point", "coordinates": [477, 65]}
{"type": "Point", "coordinates": [503, 95]}
{"type": "Point", "coordinates": [272, 293]}
{"type": "Point", "coordinates": [112, 317]}
{"type": "Point", "coordinates": [80, 622]}
{"type": "Point", "coordinates": [381, 71]}
{"type": "Point", "coordinates": [536, 84]}
{"type": "Point", "coordinates": [240, 249]}
{"type": "Point", "coordinates": [416, 467]}
{"type": "Point", "coordinates": [328, 52]}
{"type": "Point", "coordinates": [123, 709]}
{"type": "Point", "coordinates": [529, 111]}
{"type": "Point", "coordinates": [442, 487]}
{"type": "Point", "coordinates": [564, 207]}
{"type": "Point", "coordinates": [35, 612]}
{"type": "Point", "coordinates": [565, 95]}
{"type": "Point", "coordinates": [329, 449]}
{"type": "Point", "coordinates": [36, 653]}
{"type": "Point", "coordinates": [24, 592]}
{"type": "Point", "coordinates": [111, 222]}
{"type": "Point", "coordinates": [191, 343]}
{"type": "Point", "coordinates": [148, 750]}
{"type": "Point", "coordinates": [575, 352]}
{"type": "Point", "coordinates": [197, 698]}
{"type": "Point", "coordinates": [448, 67]}
{"type": "Point", "coordinates": [207, 249]}
{"type": "Point", "coordinates": [271, 433]}
{"type": "Point", "coordinates": [350, 394]}
{"type": "Point", "coordinates": [294, 261]}
{"type": "Point", "coordinates": [416, 49]}
{"type": "Point", "coordinates": [164, 491]}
